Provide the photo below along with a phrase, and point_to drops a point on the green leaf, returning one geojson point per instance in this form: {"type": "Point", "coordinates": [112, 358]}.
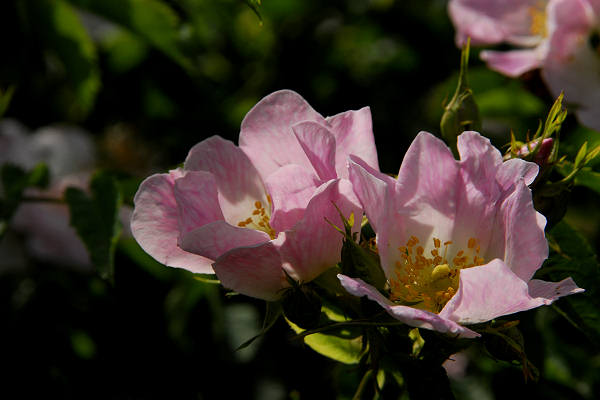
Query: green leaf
{"type": "Point", "coordinates": [5, 98]}
{"type": "Point", "coordinates": [346, 351]}
{"type": "Point", "coordinates": [64, 33]}
{"type": "Point", "coordinates": [96, 220]}
{"type": "Point", "coordinates": [14, 180]}
{"type": "Point", "coordinates": [581, 154]}
{"type": "Point", "coordinates": [584, 177]}
{"type": "Point", "coordinates": [572, 256]}
{"type": "Point", "coordinates": [152, 20]}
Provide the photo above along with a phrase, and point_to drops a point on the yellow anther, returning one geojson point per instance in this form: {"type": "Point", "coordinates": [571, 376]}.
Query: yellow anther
{"type": "Point", "coordinates": [412, 241]}
{"type": "Point", "coordinates": [437, 243]}
{"type": "Point", "coordinates": [258, 204]}
{"type": "Point", "coordinates": [440, 271]}
{"type": "Point", "coordinates": [449, 242]}
{"type": "Point", "coordinates": [420, 250]}
{"type": "Point", "coordinates": [471, 243]}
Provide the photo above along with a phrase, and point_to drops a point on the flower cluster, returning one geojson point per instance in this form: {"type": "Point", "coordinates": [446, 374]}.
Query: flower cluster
{"type": "Point", "coordinates": [562, 37]}
{"type": "Point", "coordinates": [458, 240]}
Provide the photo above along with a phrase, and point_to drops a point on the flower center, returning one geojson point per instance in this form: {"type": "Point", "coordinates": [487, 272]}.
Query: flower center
{"type": "Point", "coordinates": [259, 219]}
{"type": "Point", "coordinates": [538, 19]}
{"type": "Point", "coordinates": [430, 282]}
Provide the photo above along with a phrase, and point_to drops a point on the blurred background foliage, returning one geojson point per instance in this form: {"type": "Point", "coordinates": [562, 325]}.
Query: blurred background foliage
{"type": "Point", "coordinates": [148, 79]}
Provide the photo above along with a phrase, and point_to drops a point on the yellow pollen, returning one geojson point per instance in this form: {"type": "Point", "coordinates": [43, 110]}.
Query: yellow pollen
{"type": "Point", "coordinates": [260, 219]}
{"type": "Point", "coordinates": [537, 14]}
{"type": "Point", "coordinates": [430, 282]}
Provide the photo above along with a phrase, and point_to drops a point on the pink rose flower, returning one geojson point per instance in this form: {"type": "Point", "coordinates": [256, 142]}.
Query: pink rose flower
{"type": "Point", "coordinates": [249, 213]}
{"type": "Point", "coordinates": [459, 241]}
{"type": "Point", "coordinates": [562, 37]}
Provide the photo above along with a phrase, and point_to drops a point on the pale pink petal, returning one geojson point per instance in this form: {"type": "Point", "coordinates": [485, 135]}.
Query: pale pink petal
{"type": "Point", "coordinates": [513, 63]}
{"type": "Point", "coordinates": [376, 192]}
{"type": "Point", "coordinates": [496, 21]}
{"type": "Point", "coordinates": [493, 290]}
{"type": "Point", "coordinates": [313, 245]}
{"type": "Point", "coordinates": [254, 271]}
{"type": "Point", "coordinates": [408, 315]}
{"type": "Point", "coordinates": [291, 188]}
{"type": "Point", "coordinates": [513, 170]}
{"type": "Point", "coordinates": [155, 225]}
{"type": "Point", "coordinates": [550, 291]}
{"type": "Point", "coordinates": [266, 134]}
{"type": "Point", "coordinates": [216, 238]}
{"type": "Point", "coordinates": [353, 132]}
{"type": "Point", "coordinates": [571, 64]}
{"type": "Point", "coordinates": [518, 236]}
{"type": "Point", "coordinates": [319, 146]}
{"type": "Point", "coordinates": [237, 180]}
{"type": "Point", "coordinates": [373, 189]}
{"type": "Point", "coordinates": [197, 200]}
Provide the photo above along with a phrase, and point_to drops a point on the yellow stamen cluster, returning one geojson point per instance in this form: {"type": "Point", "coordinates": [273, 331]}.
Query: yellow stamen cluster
{"type": "Point", "coordinates": [260, 219]}
{"type": "Point", "coordinates": [538, 19]}
{"type": "Point", "coordinates": [429, 282]}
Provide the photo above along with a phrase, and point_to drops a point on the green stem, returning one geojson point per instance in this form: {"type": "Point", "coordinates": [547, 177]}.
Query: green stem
{"type": "Point", "coordinates": [363, 384]}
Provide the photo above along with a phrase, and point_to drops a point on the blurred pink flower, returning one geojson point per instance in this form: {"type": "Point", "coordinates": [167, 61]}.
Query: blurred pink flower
{"type": "Point", "coordinates": [459, 241]}
{"type": "Point", "coordinates": [253, 212]}
{"type": "Point", "coordinates": [562, 37]}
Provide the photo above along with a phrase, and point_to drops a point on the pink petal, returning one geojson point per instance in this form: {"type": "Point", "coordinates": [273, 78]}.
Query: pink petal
{"type": "Point", "coordinates": [496, 21]}
{"type": "Point", "coordinates": [353, 132]}
{"type": "Point", "coordinates": [291, 187]}
{"type": "Point", "coordinates": [197, 200]}
{"type": "Point", "coordinates": [254, 271]}
{"type": "Point", "coordinates": [408, 315]}
{"type": "Point", "coordinates": [319, 146]}
{"type": "Point", "coordinates": [518, 236]}
{"type": "Point", "coordinates": [492, 290]}
{"type": "Point", "coordinates": [550, 291]}
{"type": "Point", "coordinates": [313, 245]}
{"type": "Point", "coordinates": [238, 182]}
{"type": "Point", "coordinates": [377, 194]}
{"type": "Point", "coordinates": [155, 226]}
{"type": "Point", "coordinates": [572, 64]}
{"type": "Point", "coordinates": [266, 134]}
{"type": "Point", "coordinates": [513, 63]}
{"type": "Point", "coordinates": [216, 238]}
{"type": "Point", "coordinates": [513, 170]}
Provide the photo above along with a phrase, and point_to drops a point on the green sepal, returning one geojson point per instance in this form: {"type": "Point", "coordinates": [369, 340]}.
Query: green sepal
{"type": "Point", "coordinates": [272, 314]}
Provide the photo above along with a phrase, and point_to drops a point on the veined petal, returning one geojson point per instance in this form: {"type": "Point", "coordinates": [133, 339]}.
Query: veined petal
{"type": "Point", "coordinates": [266, 134]}
{"type": "Point", "coordinates": [238, 182]}
{"type": "Point", "coordinates": [353, 132]}
{"type": "Point", "coordinates": [216, 238]}
{"type": "Point", "coordinates": [197, 200]}
{"type": "Point", "coordinates": [319, 146]}
{"type": "Point", "coordinates": [291, 188]}
{"type": "Point", "coordinates": [513, 63]}
{"type": "Point", "coordinates": [155, 225]}
{"type": "Point", "coordinates": [513, 170]}
{"type": "Point", "coordinates": [518, 236]}
{"type": "Point", "coordinates": [254, 271]}
{"type": "Point", "coordinates": [312, 246]}
{"type": "Point", "coordinates": [408, 315]}
{"type": "Point", "coordinates": [493, 290]}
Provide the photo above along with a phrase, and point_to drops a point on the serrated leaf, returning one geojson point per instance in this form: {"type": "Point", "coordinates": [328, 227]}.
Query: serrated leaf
{"type": "Point", "coordinates": [63, 32]}
{"type": "Point", "coordinates": [96, 220]}
{"type": "Point", "coordinates": [346, 351]}
{"type": "Point", "coordinates": [572, 256]}
{"type": "Point", "coordinates": [152, 20]}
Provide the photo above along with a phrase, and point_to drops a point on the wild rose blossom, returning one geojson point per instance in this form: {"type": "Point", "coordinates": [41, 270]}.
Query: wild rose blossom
{"type": "Point", "coordinates": [248, 213]}
{"type": "Point", "coordinates": [459, 241]}
{"type": "Point", "coordinates": [562, 37]}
